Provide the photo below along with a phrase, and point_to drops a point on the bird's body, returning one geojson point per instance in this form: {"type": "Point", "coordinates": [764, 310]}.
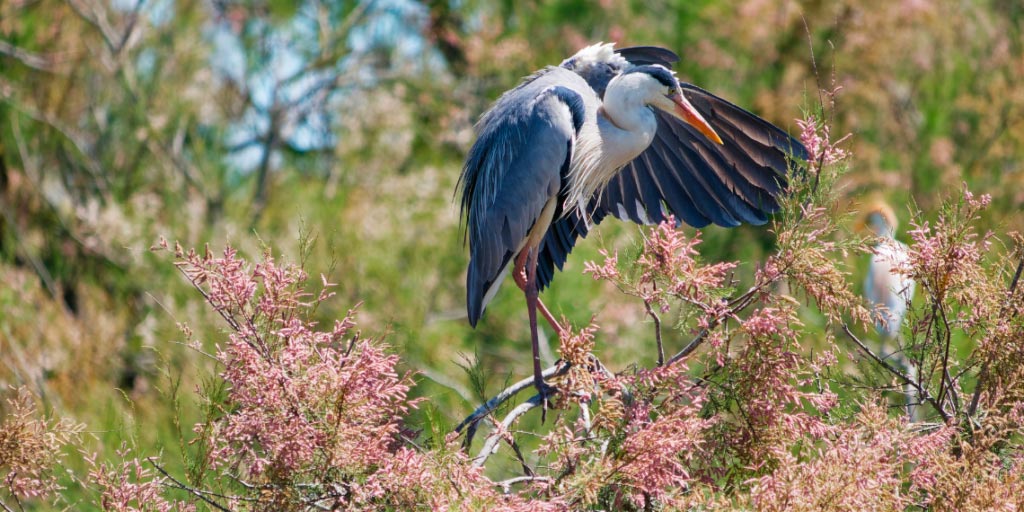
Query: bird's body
{"type": "Point", "coordinates": [515, 172]}
{"type": "Point", "coordinates": [606, 132]}
{"type": "Point", "coordinates": [886, 287]}
{"type": "Point", "coordinates": [889, 290]}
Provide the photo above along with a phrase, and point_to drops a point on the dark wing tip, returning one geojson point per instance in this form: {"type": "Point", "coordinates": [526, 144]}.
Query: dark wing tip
{"type": "Point", "coordinates": [713, 106]}
{"type": "Point", "coordinates": [648, 55]}
{"type": "Point", "coordinates": [474, 305]}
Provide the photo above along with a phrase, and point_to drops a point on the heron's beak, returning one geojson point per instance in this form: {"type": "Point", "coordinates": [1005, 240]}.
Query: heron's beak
{"type": "Point", "coordinates": [685, 111]}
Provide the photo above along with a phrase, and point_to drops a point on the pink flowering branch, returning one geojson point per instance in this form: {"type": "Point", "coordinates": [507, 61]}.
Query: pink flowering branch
{"type": "Point", "coordinates": [313, 419]}
{"type": "Point", "coordinates": [983, 374]}
{"type": "Point", "coordinates": [821, 150]}
{"type": "Point", "coordinates": [31, 448]}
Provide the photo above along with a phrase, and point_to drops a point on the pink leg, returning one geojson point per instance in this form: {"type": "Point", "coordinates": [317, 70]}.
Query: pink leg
{"type": "Point", "coordinates": [530, 289]}
{"type": "Point", "coordinates": [519, 274]}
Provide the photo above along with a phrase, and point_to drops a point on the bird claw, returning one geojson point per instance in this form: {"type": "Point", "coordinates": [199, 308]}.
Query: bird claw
{"type": "Point", "coordinates": [546, 392]}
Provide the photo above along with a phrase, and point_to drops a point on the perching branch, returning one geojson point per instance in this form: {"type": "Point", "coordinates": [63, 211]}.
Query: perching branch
{"type": "Point", "coordinates": [507, 393]}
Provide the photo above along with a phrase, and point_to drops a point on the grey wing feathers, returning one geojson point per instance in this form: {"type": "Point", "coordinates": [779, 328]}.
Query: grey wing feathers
{"type": "Point", "coordinates": [515, 167]}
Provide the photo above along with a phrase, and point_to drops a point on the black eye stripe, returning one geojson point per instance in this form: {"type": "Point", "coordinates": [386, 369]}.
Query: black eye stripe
{"type": "Point", "coordinates": [659, 73]}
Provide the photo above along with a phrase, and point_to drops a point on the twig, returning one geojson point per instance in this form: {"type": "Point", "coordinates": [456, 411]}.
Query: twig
{"type": "Point", "coordinates": [492, 404]}
{"type": "Point", "coordinates": [522, 460]}
{"type": "Point", "coordinates": [947, 381]}
{"type": "Point", "coordinates": [657, 332]}
{"type": "Point", "coordinates": [195, 492]}
{"type": "Point", "coordinates": [735, 306]}
{"type": "Point", "coordinates": [821, 100]}
{"type": "Point", "coordinates": [507, 484]}
{"type": "Point", "coordinates": [491, 444]}
{"type": "Point", "coordinates": [922, 393]}
{"type": "Point", "coordinates": [690, 347]}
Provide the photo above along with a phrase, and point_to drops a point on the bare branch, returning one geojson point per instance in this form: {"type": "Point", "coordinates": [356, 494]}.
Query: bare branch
{"type": "Point", "coordinates": [922, 392]}
{"type": "Point", "coordinates": [507, 393]}
{"type": "Point", "coordinates": [657, 331]}
{"type": "Point", "coordinates": [506, 485]}
{"type": "Point", "coordinates": [95, 16]}
{"type": "Point", "coordinates": [195, 492]}
{"type": "Point", "coordinates": [491, 443]}
{"type": "Point", "coordinates": [32, 60]}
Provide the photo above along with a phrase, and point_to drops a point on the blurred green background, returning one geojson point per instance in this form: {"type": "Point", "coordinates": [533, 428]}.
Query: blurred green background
{"type": "Point", "coordinates": [267, 123]}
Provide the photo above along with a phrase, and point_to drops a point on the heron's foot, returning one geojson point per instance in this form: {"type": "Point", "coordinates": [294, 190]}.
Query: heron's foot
{"type": "Point", "coordinates": [519, 276]}
{"type": "Point", "coordinates": [519, 270]}
{"type": "Point", "coordinates": [546, 392]}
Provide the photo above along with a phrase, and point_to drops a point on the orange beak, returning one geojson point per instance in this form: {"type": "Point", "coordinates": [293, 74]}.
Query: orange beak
{"type": "Point", "coordinates": [685, 111]}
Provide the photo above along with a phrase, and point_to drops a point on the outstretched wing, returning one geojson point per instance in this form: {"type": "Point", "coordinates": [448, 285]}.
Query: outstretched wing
{"type": "Point", "coordinates": [514, 170]}
{"type": "Point", "coordinates": [684, 174]}
{"type": "Point", "coordinates": [700, 182]}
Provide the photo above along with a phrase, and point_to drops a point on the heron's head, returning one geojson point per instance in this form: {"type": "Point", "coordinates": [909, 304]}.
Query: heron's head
{"type": "Point", "coordinates": [597, 64]}
{"type": "Point", "coordinates": [879, 218]}
{"type": "Point", "coordinates": [660, 88]}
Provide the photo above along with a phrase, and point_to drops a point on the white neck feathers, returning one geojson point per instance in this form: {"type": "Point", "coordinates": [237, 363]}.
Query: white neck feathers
{"type": "Point", "coordinates": [612, 137]}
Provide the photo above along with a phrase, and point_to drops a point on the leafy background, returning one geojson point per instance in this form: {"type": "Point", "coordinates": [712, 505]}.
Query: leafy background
{"type": "Point", "coordinates": [333, 134]}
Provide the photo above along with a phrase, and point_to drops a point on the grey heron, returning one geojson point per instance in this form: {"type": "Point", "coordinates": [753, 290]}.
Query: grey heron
{"type": "Point", "coordinates": [606, 132]}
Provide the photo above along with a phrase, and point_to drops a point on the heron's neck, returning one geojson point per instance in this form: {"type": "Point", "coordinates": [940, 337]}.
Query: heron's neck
{"type": "Point", "coordinates": [881, 227]}
{"type": "Point", "coordinates": [622, 128]}
{"type": "Point", "coordinates": [625, 108]}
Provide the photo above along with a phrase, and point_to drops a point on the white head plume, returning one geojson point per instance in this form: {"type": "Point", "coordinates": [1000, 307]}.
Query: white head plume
{"type": "Point", "coordinates": [593, 54]}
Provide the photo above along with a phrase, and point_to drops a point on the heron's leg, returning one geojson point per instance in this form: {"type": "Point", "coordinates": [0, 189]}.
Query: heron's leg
{"type": "Point", "coordinates": [519, 274]}
{"type": "Point", "coordinates": [530, 289]}
{"type": "Point", "coordinates": [912, 399]}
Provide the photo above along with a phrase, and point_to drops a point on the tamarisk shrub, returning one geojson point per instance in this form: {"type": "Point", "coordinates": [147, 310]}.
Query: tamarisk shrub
{"type": "Point", "coordinates": [311, 419]}
{"type": "Point", "coordinates": [31, 449]}
{"type": "Point", "coordinates": [760, 410]}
